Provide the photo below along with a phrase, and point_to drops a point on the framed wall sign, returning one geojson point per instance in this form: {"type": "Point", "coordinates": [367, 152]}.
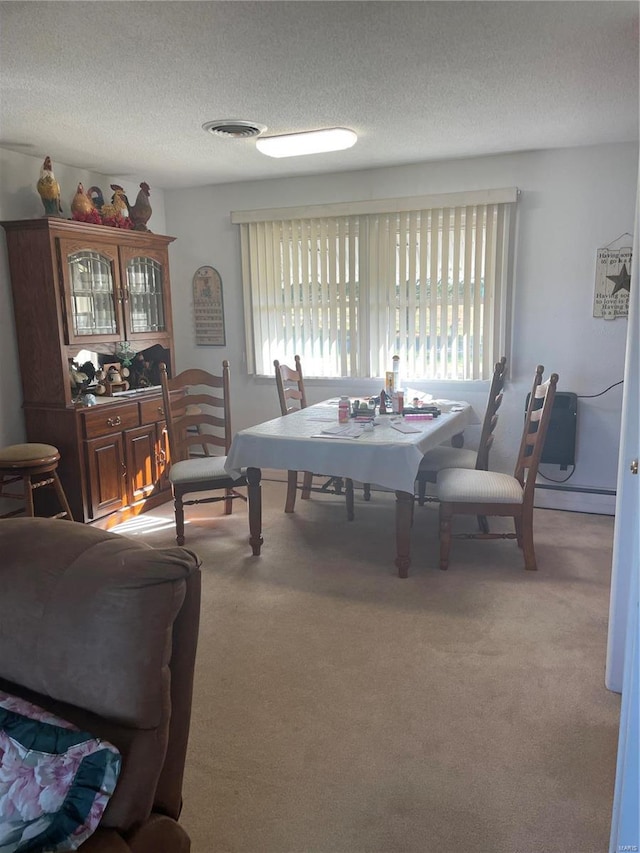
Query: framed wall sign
{"type": "Point", "coordinates": [613, 282]}
{"type": "Point", "coordinates": [208, 308]}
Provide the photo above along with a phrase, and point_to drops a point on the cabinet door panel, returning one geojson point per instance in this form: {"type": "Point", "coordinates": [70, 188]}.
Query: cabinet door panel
{"type": "Point", "coordinates": [92, 292]}
{"type": "Point", "coordinates": [106, 474]}
{"type": "Point", "coordinates": [146, 303]}
{"type": "Point", "coordinates": [142, 467]}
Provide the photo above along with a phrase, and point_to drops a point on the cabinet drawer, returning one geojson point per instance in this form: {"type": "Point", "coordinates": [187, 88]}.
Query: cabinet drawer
{"type": "Point", "coordinates": [105, 419]}
{"type": "Point", "coordinates": [151, 411]}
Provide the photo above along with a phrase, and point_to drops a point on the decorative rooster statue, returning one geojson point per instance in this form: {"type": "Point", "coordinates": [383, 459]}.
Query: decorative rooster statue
{"type": "Point", "coordinates": [119, 207]}
{"type": "Point", "coordinates": [95, 194]}
{"type": "Point", "coordinates": [49, 189]}
{"type": "Point", "coordinates": [81, 204]}
{"type": "Point", "coordinates": [141, 210]}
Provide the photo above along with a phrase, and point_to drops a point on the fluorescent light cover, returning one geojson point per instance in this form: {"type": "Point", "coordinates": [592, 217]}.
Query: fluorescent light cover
{"type": "Point", "coordinates": [308, 142]}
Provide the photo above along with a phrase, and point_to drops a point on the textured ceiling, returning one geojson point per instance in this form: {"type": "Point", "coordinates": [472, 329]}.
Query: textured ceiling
{"type": "Point", "coordinates": [123, 88]}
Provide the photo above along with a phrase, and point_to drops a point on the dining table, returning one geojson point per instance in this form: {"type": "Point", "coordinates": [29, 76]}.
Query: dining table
{"type": "Point", "coordinates": [384, 452]}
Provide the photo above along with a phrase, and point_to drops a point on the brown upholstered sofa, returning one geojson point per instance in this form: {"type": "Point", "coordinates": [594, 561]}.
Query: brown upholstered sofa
{"type": "Point", "coordinates": [102, 631]}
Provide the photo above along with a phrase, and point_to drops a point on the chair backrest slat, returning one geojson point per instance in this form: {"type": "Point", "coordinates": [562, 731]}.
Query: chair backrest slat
{"type": "Point", "coordinates": [290, 385]}
{"type": "Point", "coordinates": [536, 424]}
{"type": "Point", "coordinates": [490, 416]}
{"type": "Point", "coordinates": [197, 414]}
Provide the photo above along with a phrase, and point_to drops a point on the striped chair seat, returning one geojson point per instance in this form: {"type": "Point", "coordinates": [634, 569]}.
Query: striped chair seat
{"type": "Point", "coordinates": [458, 485]}
{"type": "Point", "coordinates": [445, 456]}
{"type": "Point", "coordinates": [199, 469]}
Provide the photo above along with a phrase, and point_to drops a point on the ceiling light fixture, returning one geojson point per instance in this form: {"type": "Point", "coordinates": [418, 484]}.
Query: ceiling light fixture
{"type": "Point", "coordinates": [307, 142]}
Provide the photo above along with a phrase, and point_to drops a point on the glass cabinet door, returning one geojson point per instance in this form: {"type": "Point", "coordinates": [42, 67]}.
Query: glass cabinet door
{"type": "Point", "coordinates": [92, 294]}
{"type": "Point", "coordinates": [145, 291]}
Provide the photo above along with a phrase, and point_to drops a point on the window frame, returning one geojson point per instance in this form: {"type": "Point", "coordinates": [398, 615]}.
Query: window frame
{"type": "Point", "coordinates": [500, 302]}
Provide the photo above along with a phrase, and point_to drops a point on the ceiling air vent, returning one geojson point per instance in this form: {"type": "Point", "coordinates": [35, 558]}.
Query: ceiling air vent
{"type": "Point", "coordinates": [232, 129]}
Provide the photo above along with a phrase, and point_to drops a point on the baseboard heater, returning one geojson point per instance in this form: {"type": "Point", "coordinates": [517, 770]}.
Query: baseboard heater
{"type": "Point", "coordinates": [582, 489]}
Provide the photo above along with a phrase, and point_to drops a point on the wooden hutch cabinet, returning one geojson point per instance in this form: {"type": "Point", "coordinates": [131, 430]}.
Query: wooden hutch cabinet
{"type": "Point", "coordinates": [92, 292]}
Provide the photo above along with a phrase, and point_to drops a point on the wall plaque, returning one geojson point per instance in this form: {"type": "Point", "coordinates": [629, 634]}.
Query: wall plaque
{"type": "Point", "coordinates": [613, 283]}
{"type": "Point", "coordinates": [208, 308]}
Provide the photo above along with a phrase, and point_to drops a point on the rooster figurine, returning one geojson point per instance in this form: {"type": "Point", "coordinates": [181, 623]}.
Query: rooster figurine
{"type": "Point", "coordinates": [49, 189]}
{"type": "Point", "coordinates": [97, 199]}
{"type": "Point", "coordinates": [141, 210]}
{"type": "Point", "coordinates": [119, 207]}
{"type": "Point", "coordinates": [81, 204]}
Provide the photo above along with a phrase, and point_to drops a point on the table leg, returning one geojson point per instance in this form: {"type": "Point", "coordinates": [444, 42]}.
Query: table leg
{"type": "Point", "coordinates": [404, 516]}
{"type": "Point", "coordinates": [254, 493]}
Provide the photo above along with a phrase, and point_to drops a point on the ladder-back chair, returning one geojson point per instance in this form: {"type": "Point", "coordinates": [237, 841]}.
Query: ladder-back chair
{"type": "Point", "coordinates": [291, 394]}
{"type": "Point", "coordinates": [488, 493]}
{"type": "Point", "coordinates": [197, 408]}
{"type": "Point", "coordinates": [445, 456]}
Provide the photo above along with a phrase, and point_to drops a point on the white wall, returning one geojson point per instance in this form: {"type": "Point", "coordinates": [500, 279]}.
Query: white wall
{"type": "Point", "coordinates": [19, 199]}
{"type": "Point", "coordinates": [573, 202]}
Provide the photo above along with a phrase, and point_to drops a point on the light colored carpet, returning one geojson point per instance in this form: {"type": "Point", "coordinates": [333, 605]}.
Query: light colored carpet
{"type": "Point", "coordinates": [339, 709]}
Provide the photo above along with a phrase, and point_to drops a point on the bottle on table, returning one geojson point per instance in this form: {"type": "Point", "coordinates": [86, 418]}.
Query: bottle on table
{"type": "Point", "coordinates": [396, 373]}
{"type": "Point", "coordinates": [343, 410]}
{"type": "Point", "coordinates": [397, 397]}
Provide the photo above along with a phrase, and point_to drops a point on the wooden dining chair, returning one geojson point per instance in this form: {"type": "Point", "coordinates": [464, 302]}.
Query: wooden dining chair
{"type": "Point", "coordinates": [197, 409]}
{"type": "Point", "coordinates": [292, 396]}
{"type": "Point", "coordinates": [445, 456]}
{"type": "Point", "coordinates": [487, 493]}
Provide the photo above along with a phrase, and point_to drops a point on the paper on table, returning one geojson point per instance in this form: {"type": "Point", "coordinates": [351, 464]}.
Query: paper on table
{"type": "Point", "coordinates": [341, 431]}
{"type": "Point", "coordinates": [404, 427]}
{"type": "Point", "coordinates": [333, 435]}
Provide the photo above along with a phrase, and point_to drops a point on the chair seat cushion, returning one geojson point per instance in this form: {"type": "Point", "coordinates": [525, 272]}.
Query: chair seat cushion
{"type": "Point", "coordinates": [444, 456]}
{"type": "Point", "coordinates": [458, 485]}
{"type": "Point", "coordinates": [55, 780]}
{"type": "Point", "coordinates": [199, 470]}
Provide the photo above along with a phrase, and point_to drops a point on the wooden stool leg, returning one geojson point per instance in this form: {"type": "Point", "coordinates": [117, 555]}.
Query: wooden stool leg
{"type": "Point", "coordinates": [28, 495]}
{"type": "Point", "coordinates": [61, 495]}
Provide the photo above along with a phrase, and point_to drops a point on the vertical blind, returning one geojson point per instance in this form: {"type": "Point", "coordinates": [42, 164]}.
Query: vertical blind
{"type": "Point", "coordinates": [346, 292]}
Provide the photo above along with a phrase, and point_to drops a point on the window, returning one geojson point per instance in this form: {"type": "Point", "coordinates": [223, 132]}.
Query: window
{"type": "Point", "coordinates": [348, 286]}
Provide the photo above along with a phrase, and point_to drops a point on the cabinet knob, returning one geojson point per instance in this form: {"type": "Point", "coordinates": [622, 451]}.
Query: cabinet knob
{"type": "Point", "coordinates": [161, 410]}
{"type": "Point", "coordinates": [113, 422]}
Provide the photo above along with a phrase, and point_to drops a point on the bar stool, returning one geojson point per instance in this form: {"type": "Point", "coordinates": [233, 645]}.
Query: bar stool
{"type": "Point", "coordinates": [35, 465]}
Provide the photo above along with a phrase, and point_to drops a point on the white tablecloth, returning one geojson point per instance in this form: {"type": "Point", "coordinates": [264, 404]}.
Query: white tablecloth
{"type": "Point", "coordinates": [384, 456]}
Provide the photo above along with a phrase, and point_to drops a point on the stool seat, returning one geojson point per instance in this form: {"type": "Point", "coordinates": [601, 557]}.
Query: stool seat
{"type": "Point", "coordinates": [26, 455]}
{"type": "Point", "coordinates": [35, 466]}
